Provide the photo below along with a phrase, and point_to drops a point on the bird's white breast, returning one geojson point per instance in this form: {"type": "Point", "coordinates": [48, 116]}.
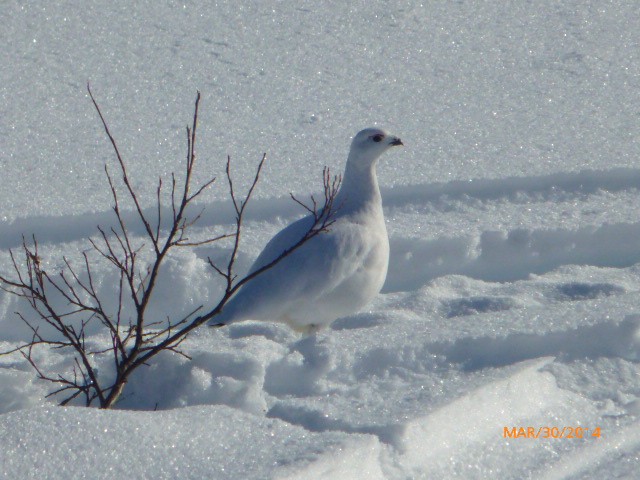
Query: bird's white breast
{"type": "Point", "coordinates": [357, 261]}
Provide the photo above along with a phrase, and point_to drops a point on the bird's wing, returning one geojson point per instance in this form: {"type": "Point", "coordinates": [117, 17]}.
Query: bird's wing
{"type": "Point", "coordinates": [283, 240]}
{"type": "Point", "coordinates": [317, 267]}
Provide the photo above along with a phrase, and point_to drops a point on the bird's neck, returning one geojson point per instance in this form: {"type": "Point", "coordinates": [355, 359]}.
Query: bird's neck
{"type": "Point", "coordinates": [359, 189]}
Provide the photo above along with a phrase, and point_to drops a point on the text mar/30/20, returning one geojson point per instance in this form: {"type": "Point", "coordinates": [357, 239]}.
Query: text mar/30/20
{"type": "Point", "coordinates": [551, 432]}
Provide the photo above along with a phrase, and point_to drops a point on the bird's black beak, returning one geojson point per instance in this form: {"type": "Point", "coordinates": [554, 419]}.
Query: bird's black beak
{"type": "Point", "coordinates": [396, 142]}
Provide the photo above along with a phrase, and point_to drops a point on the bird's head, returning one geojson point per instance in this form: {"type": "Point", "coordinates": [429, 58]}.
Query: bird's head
{"type": "Point", "coordinates": [369, 144]}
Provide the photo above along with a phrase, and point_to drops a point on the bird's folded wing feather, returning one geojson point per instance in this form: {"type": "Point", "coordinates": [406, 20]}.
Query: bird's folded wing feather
{"type": "Point", "coordinates": [282, 241]}
{"type": "Point", "coordinates": [317, 267]}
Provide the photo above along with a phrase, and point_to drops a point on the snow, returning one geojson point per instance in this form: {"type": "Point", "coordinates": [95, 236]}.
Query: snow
{"type": "Point", "coordinates": [243, 446]}
{"type": "Point", "coordinates": [512, 297]}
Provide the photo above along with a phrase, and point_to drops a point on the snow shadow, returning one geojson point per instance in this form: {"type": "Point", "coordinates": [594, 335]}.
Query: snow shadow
{"type": "Point", "coordinates": [607, 339]}
{"type": "Point", "coordinates": [54, 229]}
{"type": "Point", "coordinates": [58, 229]}
{"type": "Point", "coordinates": [318, 421]}
{"type": "Point", "coordinates": [497, 256]}
{"type": "Point", "coordinates": [584, 182]}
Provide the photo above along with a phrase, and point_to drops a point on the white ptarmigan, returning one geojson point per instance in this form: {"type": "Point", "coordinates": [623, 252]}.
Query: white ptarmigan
{"type": "Point", "coordinates": [338, 271]}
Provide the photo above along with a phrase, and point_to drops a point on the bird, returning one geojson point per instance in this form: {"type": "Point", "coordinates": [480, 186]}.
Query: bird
{"type": "Point", "coordinates": [334, 273]}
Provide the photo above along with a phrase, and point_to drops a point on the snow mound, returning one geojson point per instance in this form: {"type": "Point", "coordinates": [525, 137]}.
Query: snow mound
{"type": "Point", "coordinates": [191, 443]}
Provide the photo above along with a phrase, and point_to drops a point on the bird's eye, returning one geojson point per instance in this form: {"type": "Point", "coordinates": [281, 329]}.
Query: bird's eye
{"type": "Point", "coordinates": [377, 138]}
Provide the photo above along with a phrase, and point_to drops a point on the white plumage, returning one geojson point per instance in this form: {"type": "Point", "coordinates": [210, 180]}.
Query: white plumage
{"type": "Point", "coordinates": [335, 273]}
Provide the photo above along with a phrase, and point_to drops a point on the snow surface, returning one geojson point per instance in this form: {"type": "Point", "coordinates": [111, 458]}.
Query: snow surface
{"type": "Point", "coordinates": [513, 293]}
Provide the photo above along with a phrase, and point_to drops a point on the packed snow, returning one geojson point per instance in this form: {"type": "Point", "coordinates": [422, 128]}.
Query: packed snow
{"type": "Point", "coordinates": [512, 299]}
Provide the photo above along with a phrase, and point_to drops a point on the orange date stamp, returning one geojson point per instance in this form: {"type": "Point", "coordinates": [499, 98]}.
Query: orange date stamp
{"type": "Point", "coordinates": [551, 432]}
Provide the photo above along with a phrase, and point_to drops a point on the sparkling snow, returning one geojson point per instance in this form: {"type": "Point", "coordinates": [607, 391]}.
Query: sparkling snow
{"type": "Point", "coordinates": [513, 292]}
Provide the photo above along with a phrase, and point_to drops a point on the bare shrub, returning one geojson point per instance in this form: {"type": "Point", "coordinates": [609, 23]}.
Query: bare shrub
{"type": "Point", "coordinates": [136, 338]}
